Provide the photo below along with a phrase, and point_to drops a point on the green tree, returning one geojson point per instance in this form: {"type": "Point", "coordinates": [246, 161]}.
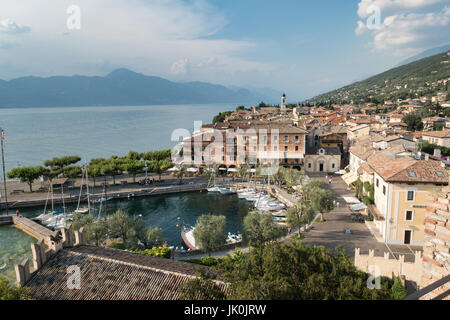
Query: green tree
{"type": "Point", "coordinates": [9, 292]}
{"type": "Point", "coordinates": [414, 122]}
{"type": "Point", "coordinates": [96, 232]}
{"type": "Point", "coordinates": [61, 165]}
{"type": "Point", "coordinates": [277, 271]}
{"type": "Point", "coordinates": [94, 172]}
{"type": "Point", "coordinates": [299, 215]}
{"type": "Point", "coordinates": [133, 155]}
{"type": "Point", "coordinates": [160, 166]}
{"type": "Point", "coordinates": [26, 175]}
{"type": "Point", "coordinates": [322, 201]}
{"type": "Point", "coordinates": [202, 288]}
{"type": "Point", "coordinates": [209, 233]}
{"type": "Point", "coordinates": [133, 167]}
{"type": "Point", "coordinates": [155, 237]}
{"type": "Point", "coordinates": [398, 290]}
{"type": "Point", "coordinates": [129, 230]}
{"type": "Point", "coordinates": [259, 228]}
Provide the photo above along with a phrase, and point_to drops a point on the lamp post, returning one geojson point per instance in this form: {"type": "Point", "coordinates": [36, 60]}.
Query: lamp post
{"type": "Point", "coordinates": [4, 170]}
{"type": "Point", "coordinates": [146, 171]}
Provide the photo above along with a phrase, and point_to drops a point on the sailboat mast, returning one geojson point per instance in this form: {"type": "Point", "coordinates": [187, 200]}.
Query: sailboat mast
{"type": "Point", "coordinates": [87, 189]}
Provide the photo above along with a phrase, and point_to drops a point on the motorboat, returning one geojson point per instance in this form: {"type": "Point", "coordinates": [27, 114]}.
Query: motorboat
{"type": "Point", "coordinates": [82, 210]}
{"type": "Point", "coordinates": [233, 238]}
{"type": "Point", "coordinates": [103, 199]}
{"type": "Point", "coordinates": [281, 213]}
{"type": "Point", "coordinates": [187, 234]}
{"type": "Point", "coordinates": [46, 216]}
{"type": "Point", "coordinates": [226, 191]}
{"type": "Point", "coordinates": [56, 218]}
{"type": "Point", "coordinates": [214, 189]}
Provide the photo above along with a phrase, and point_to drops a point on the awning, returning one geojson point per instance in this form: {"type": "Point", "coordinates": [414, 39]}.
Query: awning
{"type": "Point", "coordinates": [174, 169]}
{"type": "Point", "coordinates": [358, 207]}
{"type": "Point", "coordinates": [350, 178]}
{"type": "Point", "coordinates": [192, 170]}
{"type": "Point", "coordinates": [351, 200]}
{"type": "Point", "coordinates": [251, 170]}
{"type": "Point", "coordinates": [376, 213]}
{"type": "Point", "coordinates": [232, 170]}
{"type": "Point", "coordinates": [222, 169]}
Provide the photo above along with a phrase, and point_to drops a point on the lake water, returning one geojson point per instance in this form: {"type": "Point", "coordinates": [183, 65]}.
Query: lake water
{"type": "Point", "coordinates": [34, 135]}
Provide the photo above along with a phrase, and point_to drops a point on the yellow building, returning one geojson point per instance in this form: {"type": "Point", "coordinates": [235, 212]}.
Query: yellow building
{"type": "Point", "coordinates": [402, 187]}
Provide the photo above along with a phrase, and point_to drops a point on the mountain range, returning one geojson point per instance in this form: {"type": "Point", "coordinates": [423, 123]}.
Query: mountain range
{"type": "Point", "coordinates": [120, 87]}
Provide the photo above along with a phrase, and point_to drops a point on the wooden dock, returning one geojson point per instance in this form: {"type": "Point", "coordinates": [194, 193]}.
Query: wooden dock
{"type": "Point", "coordinates": [28, 226]}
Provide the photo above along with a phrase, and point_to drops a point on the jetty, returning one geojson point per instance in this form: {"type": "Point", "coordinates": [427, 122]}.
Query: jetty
{"type": "Point", "coordinates": [28, 226]}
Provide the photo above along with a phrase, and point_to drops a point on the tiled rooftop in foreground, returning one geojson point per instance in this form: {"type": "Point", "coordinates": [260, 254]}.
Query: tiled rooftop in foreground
{"type": "Point", "coordinates": [109, 274]}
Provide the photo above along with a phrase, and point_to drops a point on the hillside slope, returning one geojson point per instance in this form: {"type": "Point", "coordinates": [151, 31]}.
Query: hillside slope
{"type": "Point", "coordinates": [414, 80]}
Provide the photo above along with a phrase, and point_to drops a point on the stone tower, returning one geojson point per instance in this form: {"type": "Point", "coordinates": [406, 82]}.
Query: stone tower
{"type": "Point", "coordinates": [283, 102]}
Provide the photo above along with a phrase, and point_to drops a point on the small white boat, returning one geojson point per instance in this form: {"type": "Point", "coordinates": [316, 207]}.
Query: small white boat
{"type": "Point", "coordinates": [233, 238]}
{"type": "Point", "coordinates": [103, 199]}
{"type": "Point", "coordinates": [227, 191]}
{"type": "Point", "coordinates": [214, 189]}
{"type": "Point", "coordinates": [46, 216]}
{"type": "Point", "coordinates": [82, 210]}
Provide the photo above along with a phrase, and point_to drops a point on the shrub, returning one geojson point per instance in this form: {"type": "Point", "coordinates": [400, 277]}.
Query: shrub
{"type": "Point", "coordinates": [158, 252]}
{"type": "Point", "coordinates": [208, 261]}
{"type": "Point", "coordinates": [117, 245]}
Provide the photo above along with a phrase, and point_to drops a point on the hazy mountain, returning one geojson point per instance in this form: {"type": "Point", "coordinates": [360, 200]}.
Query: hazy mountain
{"type": "Point", "coordinates": [425, 54]}
{"type": "Point", "coordinates": [414, 80]}
{"type": "Point", "coordinates": [120, 87]}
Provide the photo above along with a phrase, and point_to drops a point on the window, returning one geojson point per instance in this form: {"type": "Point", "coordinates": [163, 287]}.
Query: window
{"type": "Point", "coordinates": [275, 148]}
{"type": "Point", "coordinates": [265, 149]}
{"type": "Point", "coordinates": [410, 196]}
{"type": "Point", "coordinates": [309, 165]}
{"type": "Point", "coordinates": [412, 174]}
{"type": "Point", "coordinates": [286, 139]}
{"type": "Point", "coordinates": [296, 149]}
{"type": "Point", "coordinates": [297, 139]}
{"type": "Point", "coordinates": [286, 149]}
{"type": "Point", "coordinates": [409, 215]}
{"type": "Point", "coordinates": [333, 166]}
{"type": "Point", "coordinates": [440, 174]}
{"type": "Point", "coordinates": [384, 190]}
{"type": "Point", "coordinates": [378, 183]}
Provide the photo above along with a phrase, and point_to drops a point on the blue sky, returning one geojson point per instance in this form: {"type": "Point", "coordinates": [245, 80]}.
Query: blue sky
{"type": "Point", "coordinates": [301, 47]}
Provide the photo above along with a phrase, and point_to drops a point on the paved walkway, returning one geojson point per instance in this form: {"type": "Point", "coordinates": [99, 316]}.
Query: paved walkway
{"type": "Point", "coordinates": [331, 233]}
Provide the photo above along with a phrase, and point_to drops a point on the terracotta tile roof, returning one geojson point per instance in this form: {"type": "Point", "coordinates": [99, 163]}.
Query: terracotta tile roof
{"type": "Point", "coordinates": [108, 274]}
{"type": "Point", "coordinates": [437, 134]}
{"type": "Point", "coordinates": [406, 169]}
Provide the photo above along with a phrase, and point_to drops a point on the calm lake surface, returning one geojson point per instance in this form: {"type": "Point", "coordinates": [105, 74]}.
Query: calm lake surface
{"type": "Point", "coordinates": [34, 135]}
{"type": "Point", "coordinates": [157, 211]}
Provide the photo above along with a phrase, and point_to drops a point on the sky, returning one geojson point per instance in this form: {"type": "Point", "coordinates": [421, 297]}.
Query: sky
{"type": "Point", "coordinates": [300, 47]}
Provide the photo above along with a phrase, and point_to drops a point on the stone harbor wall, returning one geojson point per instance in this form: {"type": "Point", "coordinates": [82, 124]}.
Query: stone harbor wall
{"type": "Point", "coordinates": [436, 249]}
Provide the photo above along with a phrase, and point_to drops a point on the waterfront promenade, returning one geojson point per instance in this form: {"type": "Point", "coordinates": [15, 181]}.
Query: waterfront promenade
{"type": "Point", "coordinates": [124, 186]}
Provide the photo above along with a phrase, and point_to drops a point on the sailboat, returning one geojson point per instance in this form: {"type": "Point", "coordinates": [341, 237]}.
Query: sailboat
{"type": "Point", "coordinates": [84, 210]}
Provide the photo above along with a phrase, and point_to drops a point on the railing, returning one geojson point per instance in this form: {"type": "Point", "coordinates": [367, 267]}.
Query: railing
{"type": "Point", "coordinates": [417, 295]}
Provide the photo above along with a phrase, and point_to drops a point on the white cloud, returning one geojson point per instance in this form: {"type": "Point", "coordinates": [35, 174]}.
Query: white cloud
{"type": "Point", "coordinates": [9, 26]}
{"type": "Point", "coordinates": [171, 37]}
{"type": "Point", "coordinates": [389, 6]}
{"type": "Point", "coordinates": [407, 33]}
{"type": "Point", "coordinates": [180, 67]}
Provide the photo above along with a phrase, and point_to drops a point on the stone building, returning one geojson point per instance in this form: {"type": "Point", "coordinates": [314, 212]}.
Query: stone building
{"type": "Point", "coordinates": [436, 248]}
